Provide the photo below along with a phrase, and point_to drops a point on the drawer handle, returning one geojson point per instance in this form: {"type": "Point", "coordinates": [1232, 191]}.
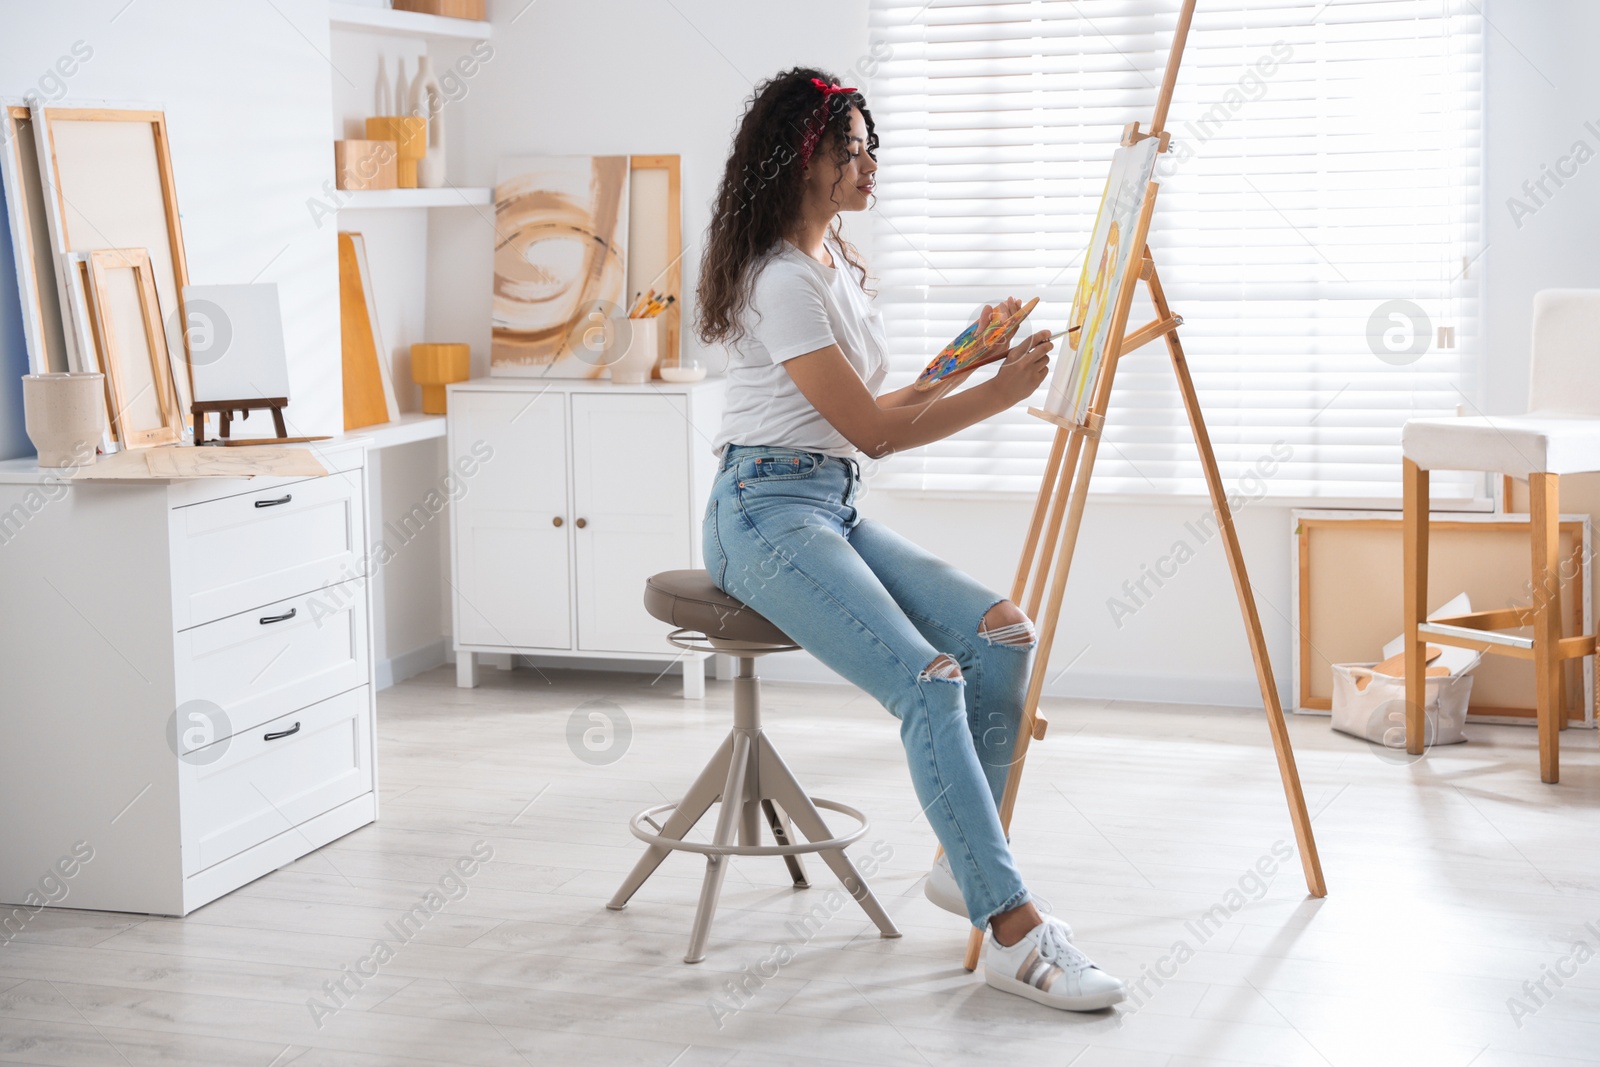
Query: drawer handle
{"type": "Point", "coordinates": [284, 499]}
{"type": "Point", "coordinates": [582, 523]}
{"type": "Point", "coordinates": [283, 733]}
{"type": "Point", "coordinates": [268, 620]}
{"type": "Point", "coordinates": [556, 521]}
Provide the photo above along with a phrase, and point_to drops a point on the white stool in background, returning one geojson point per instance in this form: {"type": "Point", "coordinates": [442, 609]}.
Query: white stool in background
{"type": "Point", "coordinates": [1559, 435]}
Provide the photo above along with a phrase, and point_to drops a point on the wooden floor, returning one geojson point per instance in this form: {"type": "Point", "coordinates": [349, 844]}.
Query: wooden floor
{"type": "Point", "coordinates": [1452, 882]}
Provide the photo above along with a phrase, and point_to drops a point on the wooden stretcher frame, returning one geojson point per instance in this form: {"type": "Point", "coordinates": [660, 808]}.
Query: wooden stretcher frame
{"type": "Point", "coordinates": [670, 280]}
{"type": "Point", "coordinates": [1579, 696]}
{"type": "Point", "coordinates": [1047, 550]}
{"type": "Point", "coordinates": [39, 279]}
{"type": "Point", "coordinates": [64, 240]}
{"type": "Point", "coordinates": [117, 363]}
{"type": "Point", "coordinates": [78, 304]}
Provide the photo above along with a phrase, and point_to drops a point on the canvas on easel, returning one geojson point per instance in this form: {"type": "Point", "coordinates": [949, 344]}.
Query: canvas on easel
{"type": "Point", "coordinates": [1109, 267]}
{"type": "Point", "coordinates": [1077, 408]}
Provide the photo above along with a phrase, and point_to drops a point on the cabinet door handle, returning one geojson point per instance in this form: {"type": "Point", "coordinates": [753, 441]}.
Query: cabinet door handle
{"type": "Point", "coordinates": [282, 733]}
{"type": "Point", "coordinates": [284, 499]}
{"type": "Point", "coordinates": [582, 523]}
{"type": "Point", "coordinates": [268, 620]}
{"type": "Point", "coordinates": [556, 521]}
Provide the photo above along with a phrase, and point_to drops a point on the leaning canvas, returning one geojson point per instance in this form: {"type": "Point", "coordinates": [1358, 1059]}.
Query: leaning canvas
{"type": "Point", "coordinates": [1102, 281]}
{"type": "Point", "coordinates": [561, 226]}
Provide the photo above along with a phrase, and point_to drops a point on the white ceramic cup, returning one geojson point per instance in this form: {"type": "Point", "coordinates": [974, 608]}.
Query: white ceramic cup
{"type": "Point", "coordinates": [643, 349]}
{"type": "Point", "coordinates": [64, 415]}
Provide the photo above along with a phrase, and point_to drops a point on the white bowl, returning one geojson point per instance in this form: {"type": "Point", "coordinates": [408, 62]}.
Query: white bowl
{"type": "Point", "coordinates": [682, 374]}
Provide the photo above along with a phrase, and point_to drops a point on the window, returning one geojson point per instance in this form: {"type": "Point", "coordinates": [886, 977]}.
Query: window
{"type": "Point", "coordinates": [1319, 213]}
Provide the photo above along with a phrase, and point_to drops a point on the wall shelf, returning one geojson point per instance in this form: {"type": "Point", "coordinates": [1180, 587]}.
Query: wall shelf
{"type": "Point", "coordinates": [412, 426]}
{"type": "Point", "coordinates": [347, 16]}
{"type": "Point", "coordinates": [448, 196]}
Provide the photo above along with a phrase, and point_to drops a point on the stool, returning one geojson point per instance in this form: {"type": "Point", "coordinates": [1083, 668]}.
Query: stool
{"type": "Point", "coordinates": [1559, 435]}
{"type": "Point", "coordinates": [746, 773]}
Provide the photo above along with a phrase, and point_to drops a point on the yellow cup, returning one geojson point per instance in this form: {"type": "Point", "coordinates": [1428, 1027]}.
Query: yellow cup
{"type": "Point", "coordinates": [435, 366]}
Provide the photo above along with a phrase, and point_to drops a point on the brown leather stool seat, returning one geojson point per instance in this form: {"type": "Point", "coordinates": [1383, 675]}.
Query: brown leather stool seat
{"type": "Point", "coordinates": [691, 601]}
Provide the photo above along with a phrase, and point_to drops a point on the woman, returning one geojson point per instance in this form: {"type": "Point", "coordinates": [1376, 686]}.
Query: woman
{"type": "Point", "coordinates": [785, 292]}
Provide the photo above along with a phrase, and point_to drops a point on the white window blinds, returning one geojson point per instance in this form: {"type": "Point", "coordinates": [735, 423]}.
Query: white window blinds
{"type": "Point", "coordinates": [1318, 213]}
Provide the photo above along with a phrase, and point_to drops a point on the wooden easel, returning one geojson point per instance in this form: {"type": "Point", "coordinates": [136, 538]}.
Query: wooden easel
{"type": "Point", "coordinates": [1067, 475]}
{"type": "Point", "coordinates": [224, 410]}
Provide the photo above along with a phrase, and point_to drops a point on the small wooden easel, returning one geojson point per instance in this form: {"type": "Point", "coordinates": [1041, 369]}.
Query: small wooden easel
{"type": "Point", "coordinates": [1067, 474]}
{"type": "Point", "coordinates": [225, 409]}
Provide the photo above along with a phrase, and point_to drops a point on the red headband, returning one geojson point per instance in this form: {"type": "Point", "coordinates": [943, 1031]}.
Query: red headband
{"type": "Point", "coordinates": [819, 118]}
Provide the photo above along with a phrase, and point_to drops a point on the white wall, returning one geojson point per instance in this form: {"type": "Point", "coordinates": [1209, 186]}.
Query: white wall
{"type": "Point", "coordinates": [1543, 87]}
{"type": "Point", "coordinates": [247, 100]}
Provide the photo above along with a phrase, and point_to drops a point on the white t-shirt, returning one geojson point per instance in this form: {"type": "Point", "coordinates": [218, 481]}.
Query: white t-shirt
{"type": "Point", "coordinates": [797, 305]}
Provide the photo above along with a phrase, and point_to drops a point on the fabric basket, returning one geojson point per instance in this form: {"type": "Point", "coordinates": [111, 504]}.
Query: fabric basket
{"type": "Point", "coordinates": [1378, 714]}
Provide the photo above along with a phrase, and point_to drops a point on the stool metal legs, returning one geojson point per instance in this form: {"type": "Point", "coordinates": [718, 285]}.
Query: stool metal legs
{"type": "Point", "coordinates": [752, 780]}
{"type": "Point", "coordinates": [780, 784]}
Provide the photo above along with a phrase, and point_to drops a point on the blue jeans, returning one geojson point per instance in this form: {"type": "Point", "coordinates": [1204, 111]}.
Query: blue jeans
{"type": "Point", "coordinates": [781, 535]}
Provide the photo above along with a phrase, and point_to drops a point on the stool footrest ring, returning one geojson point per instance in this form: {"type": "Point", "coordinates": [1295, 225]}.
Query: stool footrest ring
{"type": "Point", "coordinates": [796, 849]}
{"type": "Point", "coordinates": [695, 641]}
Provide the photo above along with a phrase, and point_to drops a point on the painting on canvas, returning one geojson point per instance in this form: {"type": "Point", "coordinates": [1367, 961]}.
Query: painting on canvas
{"type": "Point", "coordinates": [1105, 273]}
{"type": "Point", "coordinates": [561, 226]}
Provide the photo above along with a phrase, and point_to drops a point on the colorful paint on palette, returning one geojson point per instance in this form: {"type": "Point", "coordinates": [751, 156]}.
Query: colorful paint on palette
{"type": "Point", "coordinates": [969, 350]}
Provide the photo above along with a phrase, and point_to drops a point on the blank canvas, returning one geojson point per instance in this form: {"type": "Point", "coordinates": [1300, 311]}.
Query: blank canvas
{"type": "Point", "coordinates": [133, 347]}
{"type": "Point", "coordinates": [86, 351]}
{"type": "Point", "coordinates": [113, 187]}
{"type": "Point", "coordinates": [235, 339]}
{"type": "Point", "coordinates": [655, 240]}
{"type": "Point", "coordinates": [38, 283]}
{"type": "Point", "coordinates": [1350, 569]}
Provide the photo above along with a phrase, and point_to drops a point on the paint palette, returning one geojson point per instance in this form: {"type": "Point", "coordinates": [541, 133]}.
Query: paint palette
{"type": "Point", "coordinates": [970, 350]}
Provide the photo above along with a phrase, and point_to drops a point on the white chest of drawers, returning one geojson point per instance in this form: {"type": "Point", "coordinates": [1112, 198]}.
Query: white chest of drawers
{"type": "Point", "coordinates": [185, 683]}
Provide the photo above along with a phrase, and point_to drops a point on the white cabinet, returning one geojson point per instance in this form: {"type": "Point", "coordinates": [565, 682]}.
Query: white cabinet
{"type": "Point", "coordinates": [509, 520]}
{"type": "Point", "coordinates": [186, 671]}
{"type": "Point", "coordinates": [570, 495]}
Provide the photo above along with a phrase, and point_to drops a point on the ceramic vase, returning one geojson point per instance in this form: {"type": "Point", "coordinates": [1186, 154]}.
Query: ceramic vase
{"type": "Point", "coordinates": [64, 415]}
{"type": "Point", "coordinates": [427, 100]}
{"type": "Point", "coordinates": [644, 348]}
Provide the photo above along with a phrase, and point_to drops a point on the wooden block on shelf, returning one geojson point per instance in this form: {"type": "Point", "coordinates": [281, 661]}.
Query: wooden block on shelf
{"type": "Point", "coordinates": [362, 165]}
{"type": "Point", "coordinates": [451, 9]}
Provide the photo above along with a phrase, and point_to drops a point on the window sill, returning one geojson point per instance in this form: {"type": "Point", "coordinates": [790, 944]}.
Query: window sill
{"type": "Point", "coordinates": [1186, 499]}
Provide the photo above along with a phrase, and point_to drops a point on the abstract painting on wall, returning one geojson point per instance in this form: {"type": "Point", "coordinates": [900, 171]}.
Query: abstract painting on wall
{"type": "Point", "coordinates": [561, 228]}
{"type": "Point", "coordinates": [1104, 279]}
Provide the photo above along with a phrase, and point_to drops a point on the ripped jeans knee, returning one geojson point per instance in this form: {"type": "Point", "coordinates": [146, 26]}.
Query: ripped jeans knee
{"type": "Point", "coordinates": [1005, 624]}
{"type": "Point", "coordinates": [943, 668]}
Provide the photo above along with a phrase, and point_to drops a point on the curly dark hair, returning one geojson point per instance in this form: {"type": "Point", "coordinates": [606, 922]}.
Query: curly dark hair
{"type": "Point", "coordinates": [759, 199]}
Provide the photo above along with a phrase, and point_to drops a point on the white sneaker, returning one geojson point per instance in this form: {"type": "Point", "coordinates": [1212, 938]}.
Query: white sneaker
{"type": "Point", "coordinates": [941, 887]}
{"type": "Point", "coordinates": [1044, 966]}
